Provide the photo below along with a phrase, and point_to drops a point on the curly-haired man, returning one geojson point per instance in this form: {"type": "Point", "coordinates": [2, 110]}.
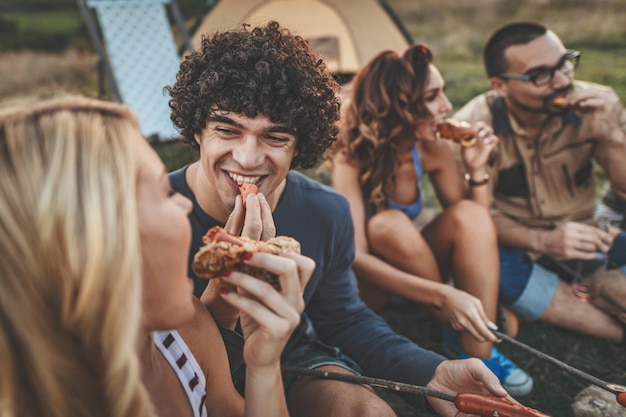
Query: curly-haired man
{"type": "Point", "coordinates": [256, 103]}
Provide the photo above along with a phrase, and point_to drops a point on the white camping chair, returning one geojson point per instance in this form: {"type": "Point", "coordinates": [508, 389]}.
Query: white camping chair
{"type": "Point", "coordinates": [138, 56]}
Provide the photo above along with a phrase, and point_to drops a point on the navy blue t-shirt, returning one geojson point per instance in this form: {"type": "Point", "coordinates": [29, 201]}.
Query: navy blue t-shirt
{"type": "Point", "coordinates": [319, 218]}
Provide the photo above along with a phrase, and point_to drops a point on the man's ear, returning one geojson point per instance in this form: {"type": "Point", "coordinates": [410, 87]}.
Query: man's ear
{"type": "Point", "coordinates": [499, 86]}
{"type": "Point", "coordinates": [197, 138]}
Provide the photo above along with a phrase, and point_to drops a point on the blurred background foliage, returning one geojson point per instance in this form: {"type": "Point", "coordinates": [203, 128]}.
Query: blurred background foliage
{"type": "Point", "coordinates": [45, 48]}
{"type": "Point", "coordinates": [44, 43]}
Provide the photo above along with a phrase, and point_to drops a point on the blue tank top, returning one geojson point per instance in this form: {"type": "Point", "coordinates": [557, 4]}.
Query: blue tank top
{"type": "Point", "coordinates": [414, 209]}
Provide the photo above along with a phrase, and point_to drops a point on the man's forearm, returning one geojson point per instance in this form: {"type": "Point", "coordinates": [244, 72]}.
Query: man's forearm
{"type": "Point", "coordinates": [515, 235]}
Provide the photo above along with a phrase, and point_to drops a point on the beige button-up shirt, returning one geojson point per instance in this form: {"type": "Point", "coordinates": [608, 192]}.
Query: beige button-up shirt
{"type": "Point", "coordinates": [552, 179]}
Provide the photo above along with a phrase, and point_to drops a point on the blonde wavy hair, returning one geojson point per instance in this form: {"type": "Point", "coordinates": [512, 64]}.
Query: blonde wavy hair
{"type": "Point", "coordinates": [70, 264]}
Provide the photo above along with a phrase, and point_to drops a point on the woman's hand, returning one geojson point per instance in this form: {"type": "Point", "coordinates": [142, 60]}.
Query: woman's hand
{"type": "Point", "coordinates": [268, 317]}
{"type": "Point", "coordinates": [465, 312]}
{"type": "Point", "coordinates": [475, 157]}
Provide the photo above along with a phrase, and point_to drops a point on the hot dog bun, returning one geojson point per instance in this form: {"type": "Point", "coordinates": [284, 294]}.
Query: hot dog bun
{"type": "Point", "coordinates": [225, 252]}
{"type": "Point", "coordinates": [458, 131]}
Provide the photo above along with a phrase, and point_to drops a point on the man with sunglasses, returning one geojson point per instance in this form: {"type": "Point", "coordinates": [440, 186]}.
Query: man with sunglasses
{"type": "Point", "coordinates": [552, 130]}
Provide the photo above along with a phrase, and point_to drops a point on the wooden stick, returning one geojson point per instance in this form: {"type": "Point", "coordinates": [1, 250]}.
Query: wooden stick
{"type": "Point", "coordinates": [375, 382]}
{"type": "Point", "coordinates": [612, 388]}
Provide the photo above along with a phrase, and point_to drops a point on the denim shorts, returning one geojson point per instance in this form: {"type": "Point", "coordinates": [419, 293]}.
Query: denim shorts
{"type": "Point", "coordinates": [311, 354]}
{"type": "Point", "coordinates": [526, 287]}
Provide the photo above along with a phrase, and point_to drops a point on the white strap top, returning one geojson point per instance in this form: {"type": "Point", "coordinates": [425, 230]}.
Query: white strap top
{"type": "Point", "coordinates": [184, 364]}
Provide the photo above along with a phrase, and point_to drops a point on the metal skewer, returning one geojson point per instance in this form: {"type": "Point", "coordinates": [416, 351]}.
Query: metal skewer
{"type": "Point", "coordinates": [375, 382]}
{"type": "Point", "coordinates": [467, 402]}
{"type": "Point", "coordinates": [613, 388]}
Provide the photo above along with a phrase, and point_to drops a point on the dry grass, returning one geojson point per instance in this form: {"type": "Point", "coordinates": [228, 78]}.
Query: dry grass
{"type": "Point", "coordinates": [42, 74]}
{"type": "Point", "coordinates": [451, 24]}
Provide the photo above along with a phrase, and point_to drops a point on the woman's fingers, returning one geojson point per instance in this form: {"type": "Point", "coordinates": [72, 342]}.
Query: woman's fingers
{"type": "Point", "coordinates": [474, 328]}
{"type": "Point", "coordinates": [279, 320]}
{"type": "Point", "coordinates": [305, 266]}
{"type": "Point", "coordinates": [476, 323]}
{"type": "Point", "coordinates": [261, 292]}
{"type": "Point", "coordinates": [293, 272]}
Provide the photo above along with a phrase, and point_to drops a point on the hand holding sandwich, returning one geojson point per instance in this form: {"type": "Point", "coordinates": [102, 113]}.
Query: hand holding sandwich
{"type": "Point", "coordinates": [477, 142]}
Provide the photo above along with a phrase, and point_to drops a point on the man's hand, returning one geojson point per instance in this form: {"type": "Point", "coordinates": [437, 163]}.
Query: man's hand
{"type": "Point", "coordinates": [467, 375]}
{"type": "Point", "coordinates": [254, 221]}
{"type": "Point", "coordinates": [603, 108]}
{"type": "Point", "coordinates": [572, 240]}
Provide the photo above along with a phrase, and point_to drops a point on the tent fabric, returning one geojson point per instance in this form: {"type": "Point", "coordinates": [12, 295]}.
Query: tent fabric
{"type": "Point", "coordinates": [347, 33]}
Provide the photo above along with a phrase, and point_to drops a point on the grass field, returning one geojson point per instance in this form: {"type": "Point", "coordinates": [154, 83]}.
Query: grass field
{"type": "Point", "coordinates": [61, 21]}
{"type": "Point", "coordinates": [456, 31]}
{"type": "Point", "coordinates": [555, 389]}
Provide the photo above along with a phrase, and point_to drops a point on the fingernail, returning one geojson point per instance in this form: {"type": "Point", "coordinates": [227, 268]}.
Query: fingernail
{"type": "Point", "coordinates": [224, 291]}
{"type": "Point", "coordinates": [492, 325]}
{"type": "Point", "coordinates": [248, 255]}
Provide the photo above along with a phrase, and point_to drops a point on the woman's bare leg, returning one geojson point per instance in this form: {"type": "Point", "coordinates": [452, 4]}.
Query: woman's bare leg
{"type": "Point", "coordinates": [464, 241]}
{"type": "Point", "coordinates": [394, 238]}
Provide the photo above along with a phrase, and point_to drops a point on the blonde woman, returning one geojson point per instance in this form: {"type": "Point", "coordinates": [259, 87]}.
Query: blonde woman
{"type": "Point", "coordinates": [85, 211]}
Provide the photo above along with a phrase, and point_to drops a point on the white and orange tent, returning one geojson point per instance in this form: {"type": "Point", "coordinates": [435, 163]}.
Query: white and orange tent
{"type": "Point", "coordinates": [347, 33]}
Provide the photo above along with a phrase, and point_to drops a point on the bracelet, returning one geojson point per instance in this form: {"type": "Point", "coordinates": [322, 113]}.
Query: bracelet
{"type": "Point", "coordinates": [473, 183]}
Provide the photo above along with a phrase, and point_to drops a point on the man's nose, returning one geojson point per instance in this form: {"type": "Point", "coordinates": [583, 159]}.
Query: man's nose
{"type": "Point", "coordinates": [247, 152]}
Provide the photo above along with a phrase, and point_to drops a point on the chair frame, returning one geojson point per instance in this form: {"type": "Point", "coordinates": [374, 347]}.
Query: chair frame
{"type": "Point", "coordinates": [105, 70]}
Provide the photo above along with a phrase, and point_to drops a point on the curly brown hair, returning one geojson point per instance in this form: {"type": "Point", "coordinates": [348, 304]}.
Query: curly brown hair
{"type": "Point", "coordinates": [385, 107]}
{"type": "Point", "coordinates": [262, 70]}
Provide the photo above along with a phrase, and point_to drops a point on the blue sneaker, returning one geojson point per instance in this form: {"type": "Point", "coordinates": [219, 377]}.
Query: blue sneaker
{"type": "Point", "coordinates": [517, 382]}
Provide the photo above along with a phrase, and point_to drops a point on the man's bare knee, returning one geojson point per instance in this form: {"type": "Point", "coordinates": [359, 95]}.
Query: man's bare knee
{"type": "Point", "coordinates": [569, 312]}
{"type": "Point", "coordinates": [312, 397]}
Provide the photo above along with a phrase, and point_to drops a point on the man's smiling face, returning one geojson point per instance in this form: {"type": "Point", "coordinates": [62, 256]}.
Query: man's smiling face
{"type": "Point", "coordinates": [235, 149]}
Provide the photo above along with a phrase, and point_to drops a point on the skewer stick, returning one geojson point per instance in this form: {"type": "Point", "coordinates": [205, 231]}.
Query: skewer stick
{"type": "Point", "coordinates": [375, 382]}
{"type": "Point", "coordinates": [475, 404]}
{"type": "Point", "coordinates": [612, 388]}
